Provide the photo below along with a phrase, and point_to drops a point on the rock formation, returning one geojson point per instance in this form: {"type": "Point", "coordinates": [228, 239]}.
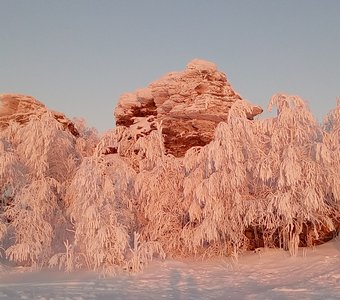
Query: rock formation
{"type": "Point", "coordinates": [187, 104]}
{"type": "Point", "coordinates": [19, 108]}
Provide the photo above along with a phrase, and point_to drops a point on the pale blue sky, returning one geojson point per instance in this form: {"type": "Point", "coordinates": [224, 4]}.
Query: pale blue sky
{"type": "Point", "coordinates": [79, 56]}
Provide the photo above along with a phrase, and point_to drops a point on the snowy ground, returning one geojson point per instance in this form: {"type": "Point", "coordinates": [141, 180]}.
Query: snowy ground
{"type": "Point", "coordinates": [270, 274]}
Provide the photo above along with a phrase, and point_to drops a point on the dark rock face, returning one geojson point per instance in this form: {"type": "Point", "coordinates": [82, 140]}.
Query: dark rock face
{"type": "Point", "coordinates": [187, 104]}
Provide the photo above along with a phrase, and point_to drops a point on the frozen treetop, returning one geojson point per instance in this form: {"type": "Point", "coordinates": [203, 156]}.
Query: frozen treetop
{"type": "Point", "coordinates": [187, 104]}
{"type": "Point", "coordinates": [20, 108]}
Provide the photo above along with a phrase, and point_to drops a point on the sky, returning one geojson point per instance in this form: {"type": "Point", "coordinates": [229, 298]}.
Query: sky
{"type": "Point", "coordinates": [79, 56]}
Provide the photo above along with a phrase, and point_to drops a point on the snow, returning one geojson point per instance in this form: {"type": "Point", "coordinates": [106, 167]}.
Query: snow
{"type": "Point", "coordinates": [266, 274]}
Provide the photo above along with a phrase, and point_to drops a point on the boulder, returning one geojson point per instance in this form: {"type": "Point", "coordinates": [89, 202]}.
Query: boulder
{"type": "Point", "coordinates": [188, 105]}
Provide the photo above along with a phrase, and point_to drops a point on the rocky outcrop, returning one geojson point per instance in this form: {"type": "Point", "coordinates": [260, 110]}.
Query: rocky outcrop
{"type": "Point", "coordinates": [20, 108]}
{"type": "Point", "coordinates": [187, 104]}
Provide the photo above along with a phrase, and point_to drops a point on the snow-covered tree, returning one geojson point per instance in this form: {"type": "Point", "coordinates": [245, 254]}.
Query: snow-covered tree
{"type": "Point", "coordinates": [116, 201]}
{"type": "Point", "coordinates": [38, 158]}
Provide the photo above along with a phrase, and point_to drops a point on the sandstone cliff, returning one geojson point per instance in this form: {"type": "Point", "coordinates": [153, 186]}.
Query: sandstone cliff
{"type": "Point", "coordinates": [187, 104]}
{"type": "Point", "coordinates": [19, 108]}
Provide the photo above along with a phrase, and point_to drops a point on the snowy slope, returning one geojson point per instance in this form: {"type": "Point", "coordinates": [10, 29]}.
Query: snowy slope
{"type": "Point", "coordinates": [269, 274]}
